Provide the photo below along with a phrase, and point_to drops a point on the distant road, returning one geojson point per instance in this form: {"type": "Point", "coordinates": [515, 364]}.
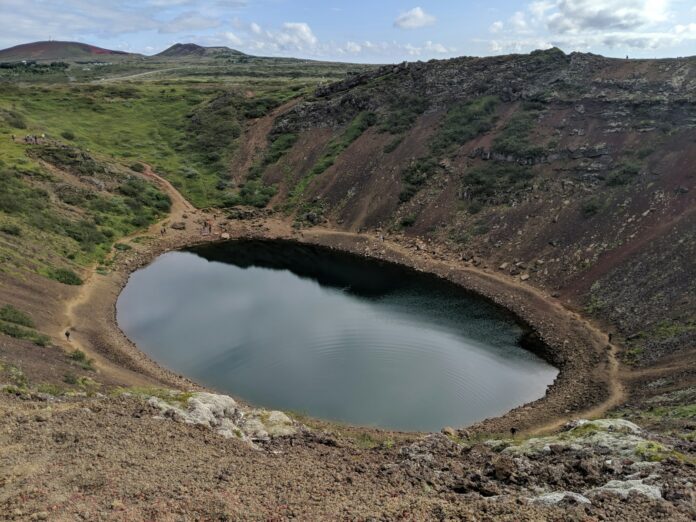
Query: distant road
{"type": "Point", "coordinates": [137, 75]}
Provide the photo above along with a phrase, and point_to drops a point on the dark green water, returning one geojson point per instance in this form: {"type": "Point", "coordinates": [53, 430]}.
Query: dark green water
{"type": "Point", "coordinates": [294, 327]}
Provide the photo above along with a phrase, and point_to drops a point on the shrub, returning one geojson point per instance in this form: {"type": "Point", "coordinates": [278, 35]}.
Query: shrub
{"type": "Point", "coordinates": [408, 221]}
{"type": "Point", "coordinates": [590, 207]}
{"type": "Point", "coordinates": [68, 135]}
{"type": "Point", "coordinates": [494, 182]}
{"type": "Point", "coordinates": [13, 119]}
{"type": "Point", "coordinates": [70, 378]}
{"type": "Point", "coordinates": [82, 360]}
{"type": "Point", "coordinates": [279, 146]}
{"type": "Point", "coordinates": [415, 175]}
{"type": "Point", "coordinates": [12, 315]}
{"type": "Point", "coordinates": [403, 112]}
{"type": "Point", "coordinates": [253, 193]}
{"type": "Point", "coordinates": [514, 138]}
{"type": "Point", "coordinates": [393, 144]}
{"type": "Point", "coordinates": [463, 122]}
{"type": "Point", "coordinates": [10, 229]}
{"type": "Point", "coordinates": [137, 167]}
{"type": "Point", "coordinates": [623, 174]}
{"type": "Point", "coordinates": [65, 276]}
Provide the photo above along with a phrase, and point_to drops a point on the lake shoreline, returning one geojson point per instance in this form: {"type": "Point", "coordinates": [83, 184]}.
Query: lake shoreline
{"type": "Point", "coordinates": [560, 336]}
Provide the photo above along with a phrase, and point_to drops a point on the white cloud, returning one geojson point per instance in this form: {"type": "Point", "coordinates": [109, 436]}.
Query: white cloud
{"type": "Point", "coordinates": [189, 21]}
{"type": "Point", "coordinates": [519, 21]}
{"type": "Point", "coordinates": [353, 47]}
{"type": "Point", "coordinates": [255, 28]}
{"type": "Point", "coordinates": [233, 38]}
{"type": "Point", "coordinates": [429, 48]}
{"type": "Point", "coordinates": [414, 19]}
{"type": "Point", "coordinates": [591, 25]}
{"type": "Point", "coordinates": [573, 16]}
{"type": "Point", "coordinates": [436, 47]}
{"type": "Point", "coordinates": [296, 33]}
{"type": "Point", "coordinates": [496, 27]}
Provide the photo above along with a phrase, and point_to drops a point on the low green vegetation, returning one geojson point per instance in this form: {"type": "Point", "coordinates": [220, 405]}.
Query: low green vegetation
{"type": "Point", "coordinates": [414, 177]}
{"type": "Point", "coordinates": [494, 183]}
{"type": "Point", "coordinates": [591, 206]}
{"type": "Point", "coordinates": [402, 113]}
{"type": "Point", "coordinates": [17, 324]}
{"type": "Point", "coordinates": [10, 314]}
{"type": "Point", "coordinates": [623, 174]}
{"type": "Point", "coordinates": [173, 397]}
{"type": "Point", "coordinates": [463, 122]}
{"type": "Point", "coordinates": [515, 138]}
{"type": "Point", "coordinates": [65, 276]}
{"type": "Point", "coordinates": [80, 358]}
{"type": "Point", "coordinates": [254, 193]}
{"type": "Point", "coordinates": [353, 131]}
{"type": "Point", "coordinates": [279, 145]}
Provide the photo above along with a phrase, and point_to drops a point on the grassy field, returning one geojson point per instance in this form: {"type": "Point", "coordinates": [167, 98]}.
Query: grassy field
{"type": "Point", "coordinates": [65, 202]}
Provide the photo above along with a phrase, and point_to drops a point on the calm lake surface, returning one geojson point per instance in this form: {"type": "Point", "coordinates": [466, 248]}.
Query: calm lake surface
{"type": "Point", "coordinates": [295, 327]}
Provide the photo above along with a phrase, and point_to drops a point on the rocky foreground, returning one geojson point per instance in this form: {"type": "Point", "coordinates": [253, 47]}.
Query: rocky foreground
{"type": "Point", "coordinates": [164, 455]}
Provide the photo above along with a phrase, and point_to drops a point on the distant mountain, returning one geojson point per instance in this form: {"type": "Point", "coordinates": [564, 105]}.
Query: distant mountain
{"type": "Point", "coordinates": [55, 51]}
{"type": "Point", "coordinates": [186, 50]}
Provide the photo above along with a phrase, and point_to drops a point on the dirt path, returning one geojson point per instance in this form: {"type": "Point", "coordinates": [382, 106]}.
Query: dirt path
{"type": "Point", "coordinates": [74, 320]}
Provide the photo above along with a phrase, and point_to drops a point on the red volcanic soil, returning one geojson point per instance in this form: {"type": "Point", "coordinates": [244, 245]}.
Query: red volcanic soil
{"type": "Point", "coordinates": [53, 50]}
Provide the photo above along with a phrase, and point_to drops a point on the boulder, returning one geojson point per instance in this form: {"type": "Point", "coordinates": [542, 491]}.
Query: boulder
{"type": "Point", "coordinates": [623, 488]}
{"type": "Point", "coordinates": [558, 497]}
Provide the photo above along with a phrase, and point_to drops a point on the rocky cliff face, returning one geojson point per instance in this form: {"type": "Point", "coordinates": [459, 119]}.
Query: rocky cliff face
{"type": "Point", "coordinates": [575, 173]}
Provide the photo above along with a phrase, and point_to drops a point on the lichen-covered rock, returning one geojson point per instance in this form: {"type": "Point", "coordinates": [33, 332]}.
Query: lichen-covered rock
{"type": "Point", "coordinates": [610, 437]}
{"type": "Point", "coordinates": [557, 497]}
{"type": "Point", "coordinates": [224, 415]}
{"type": "Point", "coordinates": [624, 488]}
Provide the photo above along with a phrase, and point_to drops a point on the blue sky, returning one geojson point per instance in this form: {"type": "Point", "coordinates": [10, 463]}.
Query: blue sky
{"type": "Point", "coordinates": [362, 31]}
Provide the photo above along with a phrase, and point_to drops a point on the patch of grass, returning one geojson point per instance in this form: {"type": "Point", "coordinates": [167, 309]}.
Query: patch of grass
{"type": "Point", "coordinates": [415, 175]}
{"type": "Point", "coordinates": [16, 377]}
{"type": "Point", "coordinates": [277, 148]}
{"type": "Point", "coordinates": [173, 397]}
{"type": "Point", "coordinates": [80, 358]}
{"type": "Point", "coordinates": [50, 389]}
{"type": "Point", "coordinates": [20, 332]}
{"type": "Point", "coordinates": [514, 139]}
{"type": "Point", "coordinates": [254, 193]}
{"type": "Point", "coordinates": [393, 144]}
{"type": "Point", "coordinates": [591, 206]}
{"type": "Point", "coordinates": [408, 221]}
{"type": "Point", "coordinates": [65, 276]}
{"type": "Point", "coordinates": [668, 329]}
{"type": "Point", "coordinates": [594, 305]}
{"type": "Point", "coordinates": [13, 118]}
{"type": "Point", "coordinates": [11, 229]}
{"type": "Point", "coordinates": [494, 183]}
{"type": "Point", "coordinates": [402, 113]}
{"type": "Point", "coordinates": [623, 174]}
{"type": "Point", "coordinates": [11, 314]}
{"type": "Point", "coordinates": [463, 122]}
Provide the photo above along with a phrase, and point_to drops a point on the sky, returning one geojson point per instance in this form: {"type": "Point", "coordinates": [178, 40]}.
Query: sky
{"type": "Point", "coordinates": [375, 31]}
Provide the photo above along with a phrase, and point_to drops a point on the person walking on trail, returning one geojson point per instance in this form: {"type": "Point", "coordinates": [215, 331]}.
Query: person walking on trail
{"type": "Point", "coordinates": [67, 335]}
